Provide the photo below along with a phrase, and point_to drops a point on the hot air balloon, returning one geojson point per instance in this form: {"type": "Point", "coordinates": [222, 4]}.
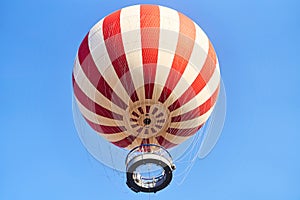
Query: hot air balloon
{"type": "Point", "coordinates": [146, 79]}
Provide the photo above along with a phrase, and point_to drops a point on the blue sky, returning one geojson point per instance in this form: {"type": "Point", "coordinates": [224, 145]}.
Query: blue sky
{"type": "Point", "coordinates": [257, 156]}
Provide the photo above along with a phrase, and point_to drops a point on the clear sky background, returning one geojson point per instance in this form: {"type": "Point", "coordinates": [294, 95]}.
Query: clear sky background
{"type": "Point", "coordinates": [257, 156]}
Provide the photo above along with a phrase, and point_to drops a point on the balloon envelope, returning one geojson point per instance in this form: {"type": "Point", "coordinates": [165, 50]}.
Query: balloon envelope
{"type": "Point", "coordinates": [146, 74]}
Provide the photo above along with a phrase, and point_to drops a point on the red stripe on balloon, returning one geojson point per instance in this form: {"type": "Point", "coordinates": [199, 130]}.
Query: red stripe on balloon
{"type": "Point", "coordinates": [202, 109]}
{"type": "Point", "coordinates": [210, 102]}
{"type": "Point", "coordinates": [187, 116]}
{"type": "Point", "coordinates": [115, 49]}
{"type": "Point", "coordinates": [185, 45]}
{"type": "Point", "coordinates": [91, 105]}
{"type": "Point", "coordinates": [149, 26]}
{"type": "Point", "coordinates": [106, 129]}
{"type": "Point", "coordinates": [94, 76]}
{"type": "Point", "coordinates": [183, 132]}
{"type": "Point", "coordinates": [148, 109]}
{"type": "Point", "coordinates": [200, 82]}
{"type": "Point", "coordinates": [125, 142]}
{"type": "Point", "coordinates": [165, 143]}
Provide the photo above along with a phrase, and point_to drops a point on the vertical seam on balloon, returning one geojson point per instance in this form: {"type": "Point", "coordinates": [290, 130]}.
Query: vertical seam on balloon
{"type": "Point", "coordinates": [130, 31]}
{"type": "Point", "coordinates": [186, 41]}
{"type": "Point", "coordinates": [84, 56]}
{"type": "Point", "coordinates": [89, 68]}
{"type": "Point", "coordinates": [149, 28]}
{"type": "Point", "coordinates": [200, 81]}
{"type": "Point", "coordinates": [196, 62]}
{"type": "Point", "coordinates": [88, 88]}
{"type": "Point", "coordinates": [111, 28]}
{"type": "Point", "coordinates": [115, 49]}
{"type": "Point", "coordinates": [102, 61]}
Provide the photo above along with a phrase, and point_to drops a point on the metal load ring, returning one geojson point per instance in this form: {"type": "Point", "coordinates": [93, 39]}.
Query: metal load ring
{"type": "Point", "coordinates": [149, 171]}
